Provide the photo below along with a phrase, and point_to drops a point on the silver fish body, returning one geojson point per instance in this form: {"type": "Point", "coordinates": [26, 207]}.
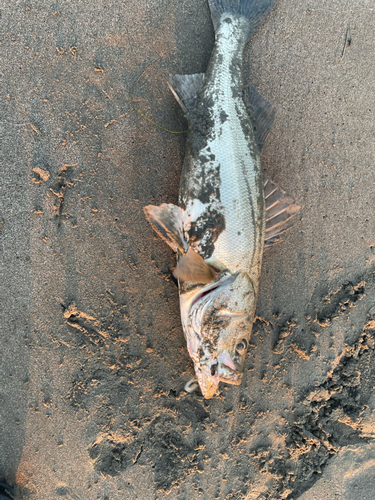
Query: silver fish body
{"type": "Point", "coordinates": [226, 213]}
{"type": "Point", "coordinates": [222, 171]}
{"type": "Point", "coordinates": [218, 230]}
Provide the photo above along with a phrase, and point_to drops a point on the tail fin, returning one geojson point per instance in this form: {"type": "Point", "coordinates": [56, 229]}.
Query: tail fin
{"type": "Point", "coordinates": [253, 10]}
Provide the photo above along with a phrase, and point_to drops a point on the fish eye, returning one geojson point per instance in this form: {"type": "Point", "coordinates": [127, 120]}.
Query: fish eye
{"type": "Point", "coordinates": [242, 346]}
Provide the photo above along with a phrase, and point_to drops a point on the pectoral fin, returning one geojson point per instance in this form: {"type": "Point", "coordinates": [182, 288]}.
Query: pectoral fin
{"type": "Point", "coordinates": [280, 212]}
{"type": "Point", "coordinates": [192, 267]}
{"type": "Point", "coordinates": [168, 221]}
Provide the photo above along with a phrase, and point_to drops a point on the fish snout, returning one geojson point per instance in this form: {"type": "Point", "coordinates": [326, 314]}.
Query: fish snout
{"type": "Point", "coordinates": [221, 369]}
{"type": "Point", "coordinates": [208, 379]}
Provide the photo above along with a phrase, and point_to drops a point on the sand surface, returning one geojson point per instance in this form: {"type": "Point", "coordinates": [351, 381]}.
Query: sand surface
{"type": "Point", "coordinates": [93, 359]}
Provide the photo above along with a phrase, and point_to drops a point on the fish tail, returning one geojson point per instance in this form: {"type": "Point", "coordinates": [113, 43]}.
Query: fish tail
{"type": "Point", "coordinates": [253, 10]}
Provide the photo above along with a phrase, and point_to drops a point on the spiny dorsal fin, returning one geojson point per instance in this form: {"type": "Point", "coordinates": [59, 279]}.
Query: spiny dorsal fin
{"type": "Point", "coordinates": [168, 221]}
{"type": "Point", "coordinates": [280, 212]}
{"type": "Point", "coordinates": [185, 89]}
{"type": "Point", "coordinates": [191, 267]}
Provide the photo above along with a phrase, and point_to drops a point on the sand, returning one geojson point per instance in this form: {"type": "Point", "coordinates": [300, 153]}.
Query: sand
{"type": "Point", "coordinates": [93, 359]}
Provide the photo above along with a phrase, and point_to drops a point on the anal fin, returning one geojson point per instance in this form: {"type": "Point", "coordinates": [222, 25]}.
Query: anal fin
{"type": "Point", "coordinates": [281, 210]}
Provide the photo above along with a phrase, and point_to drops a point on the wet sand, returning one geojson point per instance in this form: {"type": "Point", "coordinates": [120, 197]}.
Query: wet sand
{"type": "Point", "coordinates": [93, 360]}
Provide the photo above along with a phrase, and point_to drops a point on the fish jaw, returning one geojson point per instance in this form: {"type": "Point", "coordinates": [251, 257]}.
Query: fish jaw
{"type": "Point", "coordinates": [214, 371]}
{"type": "Point", "coordinates": [209, 385]}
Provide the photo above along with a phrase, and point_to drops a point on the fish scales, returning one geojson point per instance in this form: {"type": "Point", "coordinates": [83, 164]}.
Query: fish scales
{"type": "Point", "coordinates": [219, 229]}
{"type": "Point", "coordinates": [230, 140]}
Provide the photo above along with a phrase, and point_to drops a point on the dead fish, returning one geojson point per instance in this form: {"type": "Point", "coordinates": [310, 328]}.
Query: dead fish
{"type": "Point", "coordinates": [227, 214]}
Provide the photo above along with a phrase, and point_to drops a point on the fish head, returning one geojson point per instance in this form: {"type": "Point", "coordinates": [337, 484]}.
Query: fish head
{"type": "Point", "coordinates": [217, 321]}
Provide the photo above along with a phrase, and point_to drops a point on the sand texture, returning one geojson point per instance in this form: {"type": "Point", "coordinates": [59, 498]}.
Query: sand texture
{"type": "Point", "coordinates": [93, 360]}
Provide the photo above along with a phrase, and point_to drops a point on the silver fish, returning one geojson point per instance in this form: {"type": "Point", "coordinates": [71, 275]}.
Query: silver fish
{"type": "Point", "coordinates": [227, 214]}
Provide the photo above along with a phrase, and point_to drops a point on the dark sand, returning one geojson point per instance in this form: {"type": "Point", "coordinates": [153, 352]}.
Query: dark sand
{"type": "Point", "coordinates": [93, 358]}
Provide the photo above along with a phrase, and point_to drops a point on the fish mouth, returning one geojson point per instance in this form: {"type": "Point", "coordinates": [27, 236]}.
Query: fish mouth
{"type": "Point", "coordinates": [227, 371]}
{"type": "Point", "coordinates": [221, 369]}
{"type": "Point", "coordinates": [207, 380]}
{"type": "Point", "coordinates": [211, 390]}
{"type": "Point", "coordinates": [210, 385]}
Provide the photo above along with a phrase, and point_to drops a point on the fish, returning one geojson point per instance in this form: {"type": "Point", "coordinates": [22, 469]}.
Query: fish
{"type": "Point", "coordinates": [227, 214]}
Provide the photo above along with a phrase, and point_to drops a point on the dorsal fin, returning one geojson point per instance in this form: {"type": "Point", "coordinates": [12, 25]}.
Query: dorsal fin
{"type": "Point", "coordinates": [185, 89]}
